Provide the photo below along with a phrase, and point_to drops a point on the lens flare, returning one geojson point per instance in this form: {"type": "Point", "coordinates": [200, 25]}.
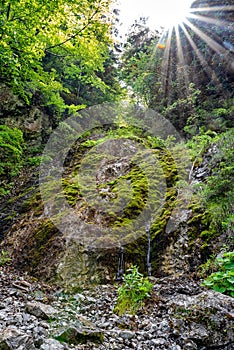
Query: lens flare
{"type": "Point", "coordinates": [203, 38]}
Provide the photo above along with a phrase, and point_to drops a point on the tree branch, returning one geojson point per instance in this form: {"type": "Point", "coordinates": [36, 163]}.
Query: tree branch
{"type": "Point", "coordinates": [8, 11]}
{"type": "Point", "coordinates": [74, 35]}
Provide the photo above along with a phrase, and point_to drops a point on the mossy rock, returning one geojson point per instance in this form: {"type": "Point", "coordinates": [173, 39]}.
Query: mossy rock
{"type": "Point", "coordinates": [77, 336]}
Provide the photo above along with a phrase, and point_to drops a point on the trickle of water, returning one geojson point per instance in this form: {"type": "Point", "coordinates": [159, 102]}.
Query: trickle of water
{"type": "Point", "coordinates": [148, 258]}
{"type": "Point", "coordinates": [121, 262]}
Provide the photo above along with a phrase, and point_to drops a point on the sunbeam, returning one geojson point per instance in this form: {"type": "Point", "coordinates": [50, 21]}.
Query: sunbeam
{"type": "Point", "coordinates": [209, 20]}
{"type": "Point", "coordinates": [213, 8]}
{"type": "Point", "coordinates": [204, 31]}
{"type": "Point", "coordinates": [182, 73]}
{"type": "Point", "coordinates": [212, 44]}
{"type": "Point", "coordinates": [201, 58]}
{"type": "Point", "coordinates": [165, 64]}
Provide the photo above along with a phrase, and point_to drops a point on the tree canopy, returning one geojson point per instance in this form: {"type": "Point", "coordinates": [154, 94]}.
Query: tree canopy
{"type": "Point", "coordinates": [187, 72]}
{"type": "Point", "coordinates": [45, 44]}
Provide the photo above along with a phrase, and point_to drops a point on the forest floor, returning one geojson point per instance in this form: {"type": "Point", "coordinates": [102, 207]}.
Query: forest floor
{"type": "Point", "coordinates": [179, 315]}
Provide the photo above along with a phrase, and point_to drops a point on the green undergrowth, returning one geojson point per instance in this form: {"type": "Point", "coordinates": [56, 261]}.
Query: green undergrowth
{"type": "Point", "coordinates": [4, 258]}
{"type": "Point", "coordinates": [133, 292]}
{"type": "Point", "coordinates": [212, 203]}
{"type": "Point", "coordinates": [222, 280]}
{"type": "Point", "coordinates": [213, 208]}
{"type": "Point", "coordinates": [11, 151]}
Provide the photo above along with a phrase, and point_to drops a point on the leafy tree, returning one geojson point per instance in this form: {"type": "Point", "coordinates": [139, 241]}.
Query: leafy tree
{"type": "Point", "coordinates": [139, 67]}
{"type": "Point", "coordinates": [192, 78]}
{"type": "Point", "coordinates": [46, 47]}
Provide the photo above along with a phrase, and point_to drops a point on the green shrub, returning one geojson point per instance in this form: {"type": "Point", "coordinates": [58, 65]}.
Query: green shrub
{"type": "Point", "coordinates": [223, 280]}
{"type": "Point", "coordinates": [132, 293]}
{"type": "Point", "coordinates": [11, 150]}
{"type": "Point", "coordinates": [4, 258]}
{"type": "Point", "coordinates": [31, 161]}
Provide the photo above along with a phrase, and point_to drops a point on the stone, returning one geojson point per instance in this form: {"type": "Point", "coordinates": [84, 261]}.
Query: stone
{"type": "Point", "coordinates": [190, 346]}
{"type": "Point", "coordinates": [51, 344]}
{"type": "Point", "coordinates": [164, 326]}
{"type": "Point", "coordinates": [72, 335]}
{"type": "Point", "coordinates": [184, 317]}
{"type": "Point", "coordinates": [158, 341]}
{"type": "Point", "coordinates": [198, 332]}
{"type": "Point", "coordinates": [12, 339]}
{"type": "Point", "coordinates": [41, 310]}
{"type": "Point", "coordinates": [126, 334]}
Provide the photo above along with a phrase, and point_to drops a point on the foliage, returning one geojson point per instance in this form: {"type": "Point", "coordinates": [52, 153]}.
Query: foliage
{"type": "Point", "coordinates": [199, 144]}
{"type": "Point", "coordinates": [4, 258]}
{"type": "Point", "coordinates": [138, 71]}
{"type": "Point", "coordinates": [53, 49]}
{"type": "Point", "coordinates": [11, 146]}
{"type": "Point", "coordinates": [207, 118]}
{"type": "Point", "coordinates": [216, 192]}
{"type": "Point", "coordinates": [223, 280]}
{"type": "Point", "coordinates": [11, 150]}
{"type": "Point", "coordinates": [134, 290]}
{"type": "Point", "coordinates": [33, 160]}
{"type": "Point", "coordinates": [188, 82]}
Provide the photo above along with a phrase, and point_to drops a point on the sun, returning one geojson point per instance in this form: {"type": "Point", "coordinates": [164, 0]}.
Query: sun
{"type": "Point", "coordinates": [160, 13]}
{"type": "Point", "coordinates": [168, 13]}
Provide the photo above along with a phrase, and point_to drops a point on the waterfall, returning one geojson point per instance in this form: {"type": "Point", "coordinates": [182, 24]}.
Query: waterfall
{"type": "Point", "coordinates": [120, 270]}
{"type": "Point", "coordinates": [148, 258]}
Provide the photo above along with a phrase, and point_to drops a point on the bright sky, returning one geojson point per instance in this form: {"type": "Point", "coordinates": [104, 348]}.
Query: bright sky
{"type": "Point", "coordinates": [163, 13]}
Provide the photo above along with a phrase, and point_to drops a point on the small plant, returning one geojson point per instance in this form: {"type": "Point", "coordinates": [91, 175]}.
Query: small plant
{"type": "Point", "coordinates": [4, 258]}
{"type": "Point", "coordinates": [36, 160]}
{"type": "Point", "coordinates": [223, 280]}
{"type": "Point", "coordinates": [209, 266]}
{"type": "Point", "coordinates": [134, 290]}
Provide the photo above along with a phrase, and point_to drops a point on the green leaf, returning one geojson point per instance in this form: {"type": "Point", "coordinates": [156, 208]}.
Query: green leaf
{"type": "Point", "coordinates": [219, 289]}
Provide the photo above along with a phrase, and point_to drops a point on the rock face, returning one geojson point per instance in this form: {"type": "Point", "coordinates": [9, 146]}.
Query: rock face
{"type": "Point", "coordinates": [179, 315]}
{"type": "Point", "coordinates": [33, 121]}
{"type": "Point", "coordinates": [37, 245]}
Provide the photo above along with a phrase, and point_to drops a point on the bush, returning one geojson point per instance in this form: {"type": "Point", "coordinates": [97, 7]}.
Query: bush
{"type": "Point", "coordinates": [11, 150]}
{"type": "Point", "coordinates": [223, 280]}
{"type": "Point", "coordinates": [4, 258]}
{"type": "Point", "coordinates": [134, 290]}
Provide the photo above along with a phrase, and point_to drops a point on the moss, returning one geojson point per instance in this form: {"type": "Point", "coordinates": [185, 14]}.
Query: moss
{"type": "Point", "coordinates": [72, 191]}
{"type": "Point", "coordinates": [75, 337]}
{"type": "Point", "coordinates": [206, 234]}
{"type": "Point", "coordinates": [39, 243]}
{"type": "Point", "coordinates": [133, 189]}
{"type": "Point", "coordinates": [10, 217]}
{"type": "Point", "coordinates": [138, 190]}
{"type": "Point", "coordinates": [34, 202]}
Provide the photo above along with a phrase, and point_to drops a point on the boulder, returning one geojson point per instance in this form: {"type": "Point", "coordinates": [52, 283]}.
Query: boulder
{"type": "Point", "coordinates": [73, 335]}
{"type": "Point", "coordinates": [41, 310]}
{"type": "Point", "coordinates": [12, 339]}
{"type": "Point", "coordinates": [51, 344]}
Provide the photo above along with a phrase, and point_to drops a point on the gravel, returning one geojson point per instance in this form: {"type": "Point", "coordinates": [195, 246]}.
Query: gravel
{"type": "Point", "coordinates": [180, 315]}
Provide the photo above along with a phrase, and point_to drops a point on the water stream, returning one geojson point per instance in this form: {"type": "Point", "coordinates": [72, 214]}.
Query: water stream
{"type": "Point", "coordinates": [121, 262]}
{"type": "Point", "coordinates": [148, 258]}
